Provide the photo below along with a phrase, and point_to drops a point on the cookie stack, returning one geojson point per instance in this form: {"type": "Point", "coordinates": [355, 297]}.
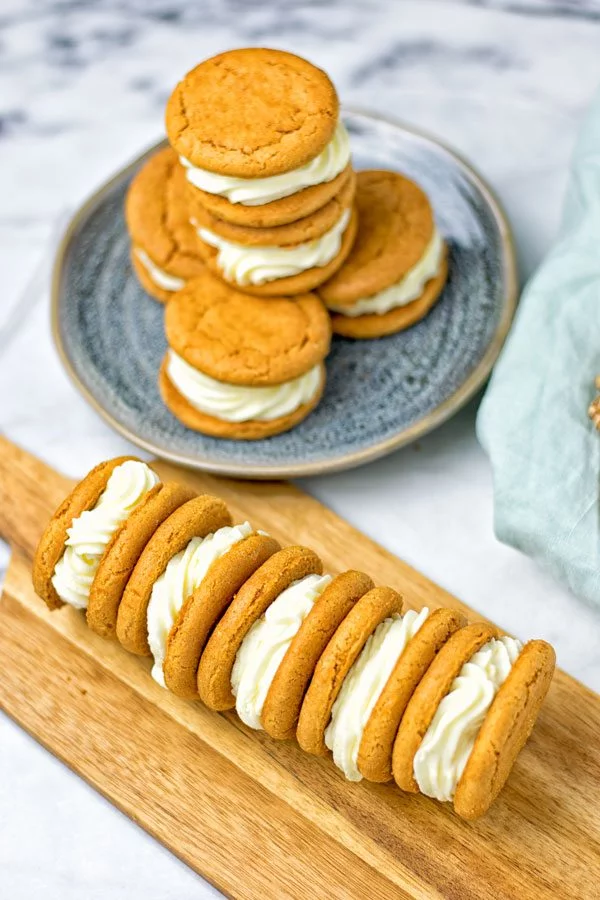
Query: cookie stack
{"type": "Point", "coordinates": [234, 620]}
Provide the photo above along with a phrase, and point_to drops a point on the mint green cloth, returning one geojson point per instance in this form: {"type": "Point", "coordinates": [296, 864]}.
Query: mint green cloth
{"type": "Point", "coordinates": [533, 423]}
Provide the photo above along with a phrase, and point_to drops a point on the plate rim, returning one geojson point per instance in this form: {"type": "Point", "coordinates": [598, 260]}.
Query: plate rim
{"type": "Point", "coordinates": [423, 426]}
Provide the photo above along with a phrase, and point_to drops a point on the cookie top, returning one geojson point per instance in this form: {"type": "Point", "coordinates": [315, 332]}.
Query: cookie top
{"type": "Point", "coordinates": [341, 652]}
{"type": "Point", "coordinates": [240, 339]}
{"type": "Point", "coordinates": [395, 226]}
{"type": "Point", "coordinates": [251, 601]}
{"type": "Point", "coordinates": [252, 113]}
{"type": "Point", "coordinates": [428, 695]}
{"type": "Point", "coordinates": [51, 547]}
{"type": "Point", "coordinates": [158, 217]}
{"type": "Point", "coordinates": [506, 727]}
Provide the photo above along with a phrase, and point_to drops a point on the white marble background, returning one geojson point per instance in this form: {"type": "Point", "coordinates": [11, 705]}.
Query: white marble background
{"type": "Point", "coordinates": [82, 87]}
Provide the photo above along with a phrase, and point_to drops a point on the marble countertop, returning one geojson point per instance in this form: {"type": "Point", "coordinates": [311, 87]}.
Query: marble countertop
{"type": "Point", "coordinates": [82, 87]}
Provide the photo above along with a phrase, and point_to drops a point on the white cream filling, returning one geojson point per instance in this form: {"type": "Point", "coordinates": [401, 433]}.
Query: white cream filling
{"type": "Point", "coordinates": [267, 642]}
{"type": "Point", "coordinates": [183, 575]}
{"type": "Point", "coordinates": [363, 686]}
{"type": "Point", "coordinates": [444, 752]}
{"type": "Point", "coordinates": [241, 403]}
{"type": "Point", "coordinates": [409, 288]}
{"type": "Point", "coordinates": [245, 265]}
{"type": "Point", "coordinates": [160, 278]}
{"type": "Point", "coordinates": [91, 532]}
{"type": "Point", "coordinates": [257, 191]}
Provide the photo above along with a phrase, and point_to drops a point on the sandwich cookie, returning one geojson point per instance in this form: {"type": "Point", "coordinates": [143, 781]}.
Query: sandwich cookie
{"type": "Point", "coordinates": [197, 518]}
{"type": "Point", "coordinates": [254, 126]}
{"type": "Point", "coordinates": [164, 253]}
{"type": "Point", "coordinates": [247, 644]}
{"type": "Point", "coordinates": [469, 717]}
{"type": "Point", "coordinates": [398, 264]}
{"type": "Point", "coordinates": [85, 528]}
{"type": "Point", "coordinates": [242, 367]}
{"type": "Point", "coordinates": [342, 651]}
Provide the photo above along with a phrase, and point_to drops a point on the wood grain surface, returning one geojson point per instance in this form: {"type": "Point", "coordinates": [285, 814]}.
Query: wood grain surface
{"type": "Point", "coordinates": [259, 818]}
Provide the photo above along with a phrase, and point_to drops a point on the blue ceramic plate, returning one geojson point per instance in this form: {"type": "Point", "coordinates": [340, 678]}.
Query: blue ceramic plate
{"type": "Point", "coordinates": [380, 394]}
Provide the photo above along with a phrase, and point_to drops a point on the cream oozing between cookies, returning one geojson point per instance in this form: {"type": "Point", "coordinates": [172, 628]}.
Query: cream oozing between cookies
{"type": "Point", "coordinates": [241, 403]}
{"type": "Point", "coordinates": [363, 686]}
{"type": "Point", "coordinates": [258, 191]}
{"type": "Point", "coordinates": [445, 749]}
{"type": "Point", "coordinates": [255, 265]}
{"type": "Point", "coordinates": [409, 288]}
{"type": "Point", "coordinates": [266, 644]}
{"type": "Point", "coordinates": [160, 278]}
{"type": "Point", "coordinates": [91, 532]}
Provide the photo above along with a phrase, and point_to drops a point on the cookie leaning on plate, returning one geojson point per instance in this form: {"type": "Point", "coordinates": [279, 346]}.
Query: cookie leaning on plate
{"type": "Point", "coordinates": [165, 252]}
{"type": "Point", "coordinates": [398, 264]}
{"type": "Point", "coordinates": [242, 367]}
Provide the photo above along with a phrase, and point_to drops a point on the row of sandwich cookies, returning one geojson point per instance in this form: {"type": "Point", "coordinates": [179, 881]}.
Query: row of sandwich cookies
{"type": "Point", "coordinates": [231, 618]}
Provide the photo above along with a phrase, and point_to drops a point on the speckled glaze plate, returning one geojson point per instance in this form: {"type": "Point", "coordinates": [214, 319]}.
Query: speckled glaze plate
{"type": "Point", "coordinates": [380, 394]}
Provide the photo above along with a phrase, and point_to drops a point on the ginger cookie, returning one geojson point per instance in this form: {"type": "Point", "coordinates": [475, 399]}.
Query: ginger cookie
{"type": "Point", "coordinates": [429, 693]}
{"type": "Point", "coordinates": [196, 518]}
{"type": "Point", "coordinates": [123, 552]}
{"type": "Point", "coordinates": [239, 366]}
{"type": "Point", "coordinates": [505, 729]}
{"type": "Point", "coordinates": [202, 610]}
{"type": "Point", "coordinates": [165, 253]}
{"type": "Point", "coordinates": [341, 652]}
{"type": "Point", "coordinates": [281, 708]}
{"type": "Point", "coordinates": [251, 602]}
{"type": "Point", "coordinates": [374, 759]}
{"type": "Point", "coordinates": [398, 263]}
{"type": "Point", "coordinates": [266, 271]}
{"type": "Point", "coordinates": [252, 113]}
{"type": "Point", "coordinates": [60, 547]}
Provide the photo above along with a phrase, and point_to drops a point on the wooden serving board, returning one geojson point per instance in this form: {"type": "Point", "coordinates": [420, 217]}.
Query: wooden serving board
{"type": "Point", "coordinates": [259, 818]}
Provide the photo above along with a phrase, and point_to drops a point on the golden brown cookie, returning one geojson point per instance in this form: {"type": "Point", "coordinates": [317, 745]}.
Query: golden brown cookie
{"type": "Point", "coordinates": [284, 698]}
{"type": "Point", "coordinates": [252, 430]}
{"type": "Point", "coordinates": [124, 550]}
{"type": "Point", "coordinates": [338, 657]}
{"type": "Point", "coordinates": [428, 695]}
{"type": "Point", "coordinates": [246, 340]}
{"type": "Point", "coordinates": [201, 612]}
{"type": "Point", "coordinates": [375, 751]}
{"type": "Point", "coordinates": [51, 547]}
{"type": "Point", "coordinates": [252, 113]}
{"type": "Point", "coordinates": [197, 518]}
{"type": "Point", "coordinates": [299, 231]}
{"type": "Point", "coordinates": [250, 603]}
{"type": "Point", "coordinates": [292, 284]}
{"type": "Point", "coordinates": [278, 212]}
{"type": "Point", "coordinates": [376, 326]}
{"type": "Point", "coordinates": [158, 221]}
{"type": "Point", "coordinates": [505, 729]}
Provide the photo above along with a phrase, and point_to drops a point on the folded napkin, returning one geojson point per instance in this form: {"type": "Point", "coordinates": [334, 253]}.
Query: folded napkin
{"type": "Point", "coordinates": [533, 422]}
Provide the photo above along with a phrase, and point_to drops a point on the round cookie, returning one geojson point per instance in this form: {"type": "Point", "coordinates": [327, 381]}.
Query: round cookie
{"type": "Point", "coordinates": [203, 609]}
{"type": "Point", "coordinates": [51, 547]}
{"type": "Point", "coordinates": [157, 216]}
{"type": "Point", "coordinates": [278, 212]}
{"type": "Point", "coordinates": [252, 113]}
{"type": "Point", "coordinates": [197, 518]}
{"type": "Point", "coordinates": [281, 708]}
{"type": "Point", "coordinates": [375, 750]}
{"type": "Point", "coordinates": [292, 284]}
{"type": "Point", "coordinates": [124, 550]}
{"type": "Point", "coordinates": [246, 340]}
{"type": "Point", "coordinates": [253, 430]}
{"type": "Point", "coordinates": [252, 600]}
{"type": "Point", "coordinates": [299, 231]}
{"type": "Point", "coordinates": [428, 695]}
{"type": "Point", "coordinates": [505, 729]}
{"type": "Point", "coordinates": [341, 652]}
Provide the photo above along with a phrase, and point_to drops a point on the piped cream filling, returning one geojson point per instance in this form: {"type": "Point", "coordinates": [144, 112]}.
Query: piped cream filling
{"type": "Point", "coordinates": [160, 278]}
